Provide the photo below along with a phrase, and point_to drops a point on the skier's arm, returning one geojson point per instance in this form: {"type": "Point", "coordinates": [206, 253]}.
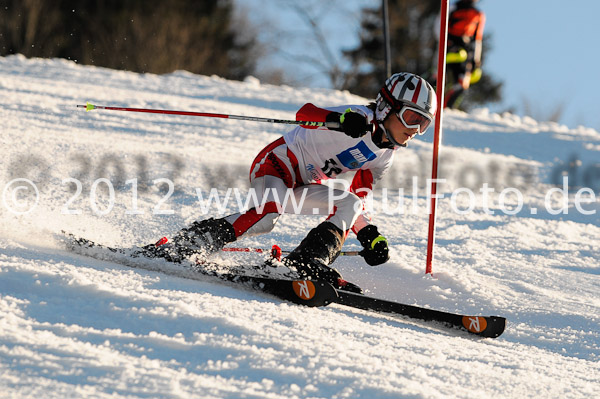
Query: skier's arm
{"type": "Point", "coordinates": [362, 186]}
{"type": "Point", "coordinates": [375, 245]}
{"type": "Point", "coordinates": [479, 41]}
{"type": "Point", "coordinates": [351, 123]}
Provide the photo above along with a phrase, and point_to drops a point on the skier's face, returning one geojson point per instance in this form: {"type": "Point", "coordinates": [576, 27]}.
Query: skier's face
{"type": "Point", "coordinates": [399, 132]}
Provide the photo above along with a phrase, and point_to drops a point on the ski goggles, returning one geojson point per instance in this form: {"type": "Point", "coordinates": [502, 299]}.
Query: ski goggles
{"type": "Point", "coordinates": [412, 117]}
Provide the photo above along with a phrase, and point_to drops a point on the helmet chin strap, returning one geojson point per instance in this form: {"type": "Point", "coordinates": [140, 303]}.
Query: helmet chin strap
{"type": "Point", "coordinates": [380, 132]}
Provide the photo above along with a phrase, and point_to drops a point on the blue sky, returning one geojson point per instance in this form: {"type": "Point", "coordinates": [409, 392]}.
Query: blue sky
{"type": "Point", "coordinates": [545, 51]}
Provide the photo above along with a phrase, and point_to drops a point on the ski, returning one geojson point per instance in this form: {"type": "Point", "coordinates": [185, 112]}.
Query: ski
{"type": "Point", "coordinates": [485, 326]}
{"type": "Point", "coordinates": [310, 293]}
{"type": "Point", "coordinates": [304, 292]}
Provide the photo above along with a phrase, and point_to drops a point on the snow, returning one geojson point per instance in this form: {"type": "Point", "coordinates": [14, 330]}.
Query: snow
{"type": "Point", "coordinates": [77, 327]}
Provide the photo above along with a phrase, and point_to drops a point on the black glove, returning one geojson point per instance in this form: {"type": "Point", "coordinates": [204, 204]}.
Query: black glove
{"type": "Point", "coordinates": [351, 123]}
{"type": "Point", "coordinates": [376, 249]}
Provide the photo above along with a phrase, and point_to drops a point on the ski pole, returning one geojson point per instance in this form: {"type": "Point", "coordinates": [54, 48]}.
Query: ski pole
{"type": "Point", "coordinates": [90, 107]}
{"type": "Point", "coordinates": [276, 251]}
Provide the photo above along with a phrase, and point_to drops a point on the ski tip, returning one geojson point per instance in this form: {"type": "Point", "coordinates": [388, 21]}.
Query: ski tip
{"type": "Point", "coordinates": [497, 325]}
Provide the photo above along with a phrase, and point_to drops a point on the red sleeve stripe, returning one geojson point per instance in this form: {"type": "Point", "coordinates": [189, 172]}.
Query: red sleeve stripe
{"type": "Point", "coordinates": [312, 113]}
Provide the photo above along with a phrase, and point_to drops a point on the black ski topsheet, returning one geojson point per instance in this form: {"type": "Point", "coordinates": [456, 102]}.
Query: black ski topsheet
{"type": "Point", "coordinates": [489, 327]}
{"type": "Point", "coordinates": [303, 292]}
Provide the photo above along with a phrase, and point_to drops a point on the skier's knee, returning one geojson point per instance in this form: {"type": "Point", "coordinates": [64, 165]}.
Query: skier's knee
{"type": "Point", "coordinates": [264, 225]}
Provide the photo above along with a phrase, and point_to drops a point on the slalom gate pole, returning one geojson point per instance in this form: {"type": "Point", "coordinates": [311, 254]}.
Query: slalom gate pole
{"type": "Point", "coordinates": [441, 81]}
{"type": "Point", "coordinates": [276, 252]}
{"type": "Point", "coordinates": [90, 107]}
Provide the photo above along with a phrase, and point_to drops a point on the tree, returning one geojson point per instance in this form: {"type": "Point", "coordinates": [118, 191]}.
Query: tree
{"type": "Point", "coordinates": [413, 26]}
{"type": "Point", "coordinates": [139, 35]}
{"type": "Point", "coordinates": [301, 37]}
{"type": "Point", "coordinates": [413, 41]}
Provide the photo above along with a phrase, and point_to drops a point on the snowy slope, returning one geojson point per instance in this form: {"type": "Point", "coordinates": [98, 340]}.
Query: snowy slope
{"type": "Point", "coordinates": [77, 327]}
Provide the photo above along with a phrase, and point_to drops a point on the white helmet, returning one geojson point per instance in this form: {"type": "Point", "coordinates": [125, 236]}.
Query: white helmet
{"type": "Point", "coordinates": [405, 89]}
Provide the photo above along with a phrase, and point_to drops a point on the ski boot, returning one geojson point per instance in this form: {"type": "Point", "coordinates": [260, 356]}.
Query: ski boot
{"type": "Point", "coordinates": [316, 252]}
{"type": "Point", "coordinates": [202, 238]}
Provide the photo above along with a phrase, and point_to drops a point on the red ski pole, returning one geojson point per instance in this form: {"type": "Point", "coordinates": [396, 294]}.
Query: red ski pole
{"type": "Point", "coordinates": [276, 252]}
{"type": "Point", "coordinates": [90, 107]}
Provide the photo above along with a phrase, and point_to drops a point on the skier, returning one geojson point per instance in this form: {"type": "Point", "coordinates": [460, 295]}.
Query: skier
{"type": "Point", "coordinates": [299, 161]}
{"type": "Point", "coordinates": [465, 35]}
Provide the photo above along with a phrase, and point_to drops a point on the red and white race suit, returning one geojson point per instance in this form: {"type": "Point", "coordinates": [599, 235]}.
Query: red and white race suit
{"type": "Point", "coordinates": [286, 175]}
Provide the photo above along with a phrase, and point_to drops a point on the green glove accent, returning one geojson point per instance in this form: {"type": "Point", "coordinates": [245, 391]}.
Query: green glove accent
{"type": "Point", "coordinates": [379, 239]}
{"type": "Point", "coordinates": [343, 116]}
{"type": "Point", "coordinates": [475, 75]}
{"type": "Point", "coordinates": [457, 58]}
{"type": "Point", "coordinates": [376, 251]}
{"type": "Point", "coordinates": [353, 124]}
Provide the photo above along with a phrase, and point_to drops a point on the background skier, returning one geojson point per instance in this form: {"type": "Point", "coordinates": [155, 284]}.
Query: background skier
{"type": "Point", "coordinates": [463, 61]}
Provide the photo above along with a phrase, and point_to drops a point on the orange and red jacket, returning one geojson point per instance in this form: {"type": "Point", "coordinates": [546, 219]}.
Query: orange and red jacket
{"type": "Point", "coordinates": [467, 22]}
